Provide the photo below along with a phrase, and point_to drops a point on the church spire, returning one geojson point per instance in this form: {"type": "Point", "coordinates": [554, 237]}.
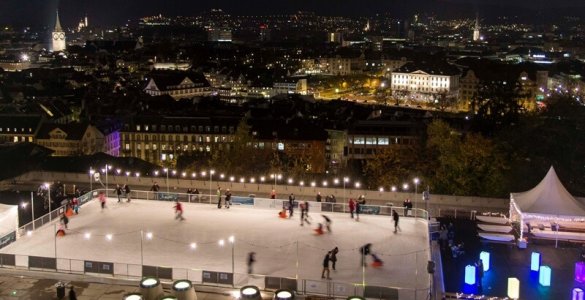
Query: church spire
{"type": "Point", "coordinates": [58, 27]}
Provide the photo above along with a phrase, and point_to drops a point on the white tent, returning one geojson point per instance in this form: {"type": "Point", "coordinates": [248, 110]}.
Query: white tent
{"type": "Point", "coordinates": [549, 200]}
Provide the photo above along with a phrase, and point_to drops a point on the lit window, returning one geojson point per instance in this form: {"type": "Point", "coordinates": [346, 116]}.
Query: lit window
{"type": "Point", "coordinates": [383, 141]}
{"type": "Point", "coordinates": [137, 127]}
{"type": "Point", "coordinates": [163, 156]}
{"type": "Point", "coordinates": [127, 146]}
{"type": "Point", "coordinates": [280, 146]}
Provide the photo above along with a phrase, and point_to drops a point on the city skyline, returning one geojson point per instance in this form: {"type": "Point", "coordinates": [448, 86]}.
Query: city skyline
{"type": "Point", "coordinates": [41, 13]}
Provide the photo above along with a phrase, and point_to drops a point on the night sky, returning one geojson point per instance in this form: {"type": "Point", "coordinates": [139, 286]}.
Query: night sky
{"type": "Point", "coordinates": [105, 12]}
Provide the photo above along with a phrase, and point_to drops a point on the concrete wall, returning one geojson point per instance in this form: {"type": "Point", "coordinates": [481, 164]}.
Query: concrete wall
{"type": "Point", "coordinates": [436, 204]}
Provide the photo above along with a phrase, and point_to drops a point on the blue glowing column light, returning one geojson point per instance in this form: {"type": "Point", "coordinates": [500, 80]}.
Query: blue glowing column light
{"type": "Point", "coordinates": [485, 259]}
{"type": "Point", "coordinates": [577, 294]}
{"type": "Point", "coordinates": [580, 272]}
{"type": "Point", "coordinates": [544, 275]}
{"type": "Point", "coordinates": [470, 274]}
{"type": "Point", "coordinates": [535, 262]}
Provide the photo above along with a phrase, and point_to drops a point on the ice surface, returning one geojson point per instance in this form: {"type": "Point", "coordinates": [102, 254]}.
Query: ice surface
{"type": "Point", "coordinates": [278, 243]}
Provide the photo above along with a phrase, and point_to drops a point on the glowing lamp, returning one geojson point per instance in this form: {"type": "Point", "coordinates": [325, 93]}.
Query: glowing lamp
{"type": "Point", "coordinates": [470, 274]}
{"type": "Point", "coordinates": [150, 288]}
{"type": "Point", "coordinates": [169, 298]}
{"type": "Point", "coordinates": [513, 288]}
{"type": "Point", "coordinates": [133, 296]}
{"type": "Point", "coordinates": [544, 275]}
{"type": "Point", "coordinates": [250, 292]}
{"type": "Point", "coordinates": [577, 294]}
{"type": "Point", "coordinates": [284, 295]}
{"type": "Point", "coordinates": [355, 298]}
{"type": "Point", "coordinates": [535, 261]}
{"type": "Point", "coordinates": [183, 289]}
{"type": "Point", "coordinates": [485, 260]}
{"type": "Point", "coordinates": [580, 272]}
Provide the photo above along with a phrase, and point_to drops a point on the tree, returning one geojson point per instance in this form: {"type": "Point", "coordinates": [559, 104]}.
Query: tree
{"type": "Point", "coordinates": [496, 105]}
{"type": "Point", "coordinates": [464, 164]}
{"type": "Point", "coordinates": [391, 166]}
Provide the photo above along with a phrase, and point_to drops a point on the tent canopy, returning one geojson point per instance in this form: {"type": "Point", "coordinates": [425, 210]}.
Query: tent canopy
{"type": "Point", "coordinates": [8, 219]}
{"type": "Point", "coordinates": [549, 198]}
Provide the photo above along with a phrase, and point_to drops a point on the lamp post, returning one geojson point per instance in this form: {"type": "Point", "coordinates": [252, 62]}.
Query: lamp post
{"type": "Point", "coordinates": [345, 180]}
{"type": "Point", "coordinates": [32, 201]}
{"type": "Point", "coordinates": [48, 187]}
{"type": "Point", "coordinates": [232, 240]}
{"type": "Point", "coordinates": [108, 167]}
{"type": "Point", "coordinates": [416, 182]}
{"type": "Point", "coordinates": [91, 172]}
{"type": "Point", "coordinates": [211, 172]}
{"type": "Point", "coordinates": [167, 180]}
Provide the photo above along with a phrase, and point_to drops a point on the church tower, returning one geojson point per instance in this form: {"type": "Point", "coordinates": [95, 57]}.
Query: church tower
{"type": "Point", "coordinates": [476, 36]}
{"type": "Point", "coordinates": [58, 36]}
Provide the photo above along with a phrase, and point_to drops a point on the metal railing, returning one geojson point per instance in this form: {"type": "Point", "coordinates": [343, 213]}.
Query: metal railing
{"type": "Point", "coordinates": [327, 288]}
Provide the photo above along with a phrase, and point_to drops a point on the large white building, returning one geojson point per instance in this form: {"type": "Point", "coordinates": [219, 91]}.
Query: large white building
{"type": "Point", "coordinates": [425, 83]}
{"type": "Point", "coordinates": [58, 36]}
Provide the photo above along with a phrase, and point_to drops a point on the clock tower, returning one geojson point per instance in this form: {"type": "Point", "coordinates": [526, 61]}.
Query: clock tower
{"type": "Point", "coordinates": [58, 36]}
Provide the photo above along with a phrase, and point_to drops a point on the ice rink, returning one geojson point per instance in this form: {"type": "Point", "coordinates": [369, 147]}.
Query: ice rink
{"type": "Point", "coordinates": [278, 243]}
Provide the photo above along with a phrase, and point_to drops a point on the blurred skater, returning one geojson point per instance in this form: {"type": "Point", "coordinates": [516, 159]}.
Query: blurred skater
{"type": "Point", "coordinates": [305, 213]}
{"type": "Point", "coordinates": [251, 260]}
{"type": "Point", "coordinates": [364, 251]}
{"type": "Point", "coordinates": [228, 198]}
{"type": "Point", "coordinates": [218, 197]}
{"type": "Point", "coordinates": [319, 229]}
{"type": "Point", "coordinates": [102, 199]}
{"type": "Point", "coordinates": [327, 223]}
{"type": "Point", "coordinates": [291, 202]}
{"type": "Point", "coordinates": [75, 203]}
{"type": "Point", "coordinates": [282, 214]}
{"type": "Point", "coordinates": [326, 261]}
{"type": "Point", "coordinates": [396, 217]}
{"type": "Point", "coordinates": [128, 193]}
{"type": "Point", "coordinates": [119, 192]}
{"type": "Point", "coordinates": [60, 231]}
{"type": "Point", "coordinates": [377, 261]}
{"type": "Point", "coordinates": [334, 257]}
{"type": "Point", "coordinates": [64, 220]}
{"type": "Point", "coordinates": [179, 211]}
{"type": "Point", "coordinates": [351, 207]}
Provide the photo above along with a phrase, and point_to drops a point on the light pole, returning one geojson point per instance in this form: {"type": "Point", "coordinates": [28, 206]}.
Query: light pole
{"type": "Point", "coordinates": [211, 172]}
{"type": "Point", "coordinates": [91, 172]}
{"type": "Point", "coordinates": [108, 167]}
{"type": "Point", "coordinates": [345, 181]}
{"type": "Point", "coordinates": [48, 187]}
{"type": "Point", "coordinates": [32, 201]}
{"type": "Point", "coordinates": [416, 182]}
{"type": "Point", "coordinates": [167, 181]}
{"type": "Point", "coordinates": [232, 240]}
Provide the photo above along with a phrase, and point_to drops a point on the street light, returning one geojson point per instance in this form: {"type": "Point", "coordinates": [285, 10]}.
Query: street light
{"type": "Point", "coordinates": [108, 167]}
{"type": "Point", "coordinates": [91, 172]}
{"type": "Point", "coordinates": [48, 187]}
{"type": "Point", "coordinates": [416, 181]}
{"type": "Point", "coordinates": [167, 182]}
{"type": "Point", "coordinates": [211, 172]}
{"type": "Point", "coordinates": [345, 180]}
{"type": "Point", "coordinates": [393, 188]}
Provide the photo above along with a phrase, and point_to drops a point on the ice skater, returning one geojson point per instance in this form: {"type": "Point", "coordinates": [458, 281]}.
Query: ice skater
{"type": "Point", "coordinates": [319, 229]}
{"type": "Point", "coordinates": [250, 262]}
{"type": "Point", "coordinates": [282, 214]}
{"type": "Point", "coordinates": [351, 207]}
{"type": "Point", "coordinates": [178, 211]}
{"type": "Point", "coordinates": [218, 197]}
{"type": "Point", "coordinates": [119, 192]}
{"type": "Point", "coordinates": [60, 231]}
{"type": "Point", "coordinates": [358, 207]}
{"type": "Point", "coordinates": [64, 220]}
{"type": "Point", "coordinates": [102, 199]}
{"type": "Point", "coordinates": [377, 261]}
{"type": "Point", "coordinates": [128, 193]}
{"type": "Point", "coordinates": [396, 217]}
{"type": "Point", "coordinates": [334, 257]}
{"type": "Point", "coordinates": [228, 198]}
{"type": "Point", "coordinates": [75, 203]}
{"type": "Point", "coordinates": [327, 223]}
{"type": "Point", "coordinates": [291, 203]}
{"type": "Point", "coordinates": [364, 251]}
{"type": "Point", "coordinates": [305, 213]}
{"type": "Point", "coordinates": [326, 261]}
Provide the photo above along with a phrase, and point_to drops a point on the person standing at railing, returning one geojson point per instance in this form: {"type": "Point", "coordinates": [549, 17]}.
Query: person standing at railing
{"type": "Point", "coordinates": [318, 197]}
{"type": "Point", "coordinates": [250, 262]}
{"type": "Point", "coordinates": [119, 192]}
{"type": "Point", "coordinates": [273, 194]}
{"type": "Point", "coordinates": [154, 188]}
